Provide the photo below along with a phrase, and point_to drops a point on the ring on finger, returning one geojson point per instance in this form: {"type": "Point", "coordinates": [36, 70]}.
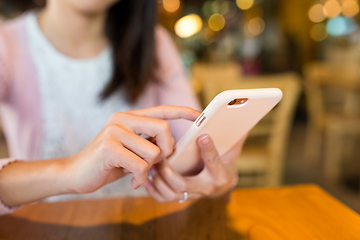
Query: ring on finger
{"type": "Point", "coordinates": [186, 195]}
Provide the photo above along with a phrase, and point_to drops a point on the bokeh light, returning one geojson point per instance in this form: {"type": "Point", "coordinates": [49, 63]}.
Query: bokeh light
{"type": "Point", "coordinates": [188, 25]}
{"type": "Point", "coordinates": [332, 8]}
{"type": "Point", "coordinates": [206, 9]}
{"type": "Point", "coordinates": [171, 5]}
{"type": "Point", "coordinates": [216, 22]}
{"type": "Point", "coordinates": [340, 26]}
{"type": "Point", "coordinates": [254, 26]}
{"type": "Point", "coordinates": [244, 4]}
{"type": "Point", "coordinates": [228, 9]}
{"type": "Point", "coordinates": [318, 32]}
{"type": "Point", "coordinates": [336, 26]}
{"type": "Point", "coordinates": [215, 6]}
{"type": "Point", "coordinates": [209, 36]}
{"type": "Point", "coordinates": [350, 8]}
{"type": "Point", "coordinates": [316, 13]}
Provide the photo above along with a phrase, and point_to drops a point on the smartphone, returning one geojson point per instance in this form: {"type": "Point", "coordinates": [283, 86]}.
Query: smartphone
{"type": "Point", "coordinates": [227, 119]}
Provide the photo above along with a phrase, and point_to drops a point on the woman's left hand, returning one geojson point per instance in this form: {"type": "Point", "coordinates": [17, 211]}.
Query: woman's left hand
{"type": "Point", "coordinates": [218, 176]}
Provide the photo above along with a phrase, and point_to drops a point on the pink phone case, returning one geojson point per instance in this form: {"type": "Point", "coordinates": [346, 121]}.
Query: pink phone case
{"type": "Point", "coordinates": [226, 124]}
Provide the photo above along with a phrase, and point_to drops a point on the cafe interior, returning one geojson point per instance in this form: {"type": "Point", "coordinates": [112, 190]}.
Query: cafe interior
{"type": "Point", "coordinates": [310, 49]}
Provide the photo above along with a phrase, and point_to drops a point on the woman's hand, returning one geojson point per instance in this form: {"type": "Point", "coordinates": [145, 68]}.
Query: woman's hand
{"type": "Point", "coordinates": [217, 177]}
{"type": "Point", "coordinates": [118, 149]}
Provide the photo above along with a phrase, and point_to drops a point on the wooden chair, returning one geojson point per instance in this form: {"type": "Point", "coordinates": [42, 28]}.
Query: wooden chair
{"type": "Point", "coordinates": [333, 105]}
{"type": "Point", "coordinates": [262, 160]}
{"type": "Point", "coordinates": [207, 73]}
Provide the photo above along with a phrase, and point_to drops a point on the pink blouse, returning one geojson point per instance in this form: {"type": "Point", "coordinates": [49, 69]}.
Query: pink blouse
{"type": "Point", "coordinates": [20, 102]}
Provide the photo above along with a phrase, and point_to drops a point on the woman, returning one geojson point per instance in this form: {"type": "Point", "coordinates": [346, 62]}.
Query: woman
{"type": "Point", "coordinates": [64, 71]}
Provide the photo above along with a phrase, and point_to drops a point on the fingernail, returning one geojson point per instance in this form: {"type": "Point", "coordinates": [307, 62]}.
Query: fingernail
{"type": "Point", "coordinates": [205, 140]}
{"type": "Point", "coordinates": [126, 171]}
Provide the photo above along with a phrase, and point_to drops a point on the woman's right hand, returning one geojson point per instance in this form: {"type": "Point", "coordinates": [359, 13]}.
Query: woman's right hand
{"type": "Point", "coordinates": [119, 149]}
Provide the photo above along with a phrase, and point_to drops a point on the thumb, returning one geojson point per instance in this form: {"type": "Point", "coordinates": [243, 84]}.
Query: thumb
{"type": "Point", "coordinates": [208, 153]}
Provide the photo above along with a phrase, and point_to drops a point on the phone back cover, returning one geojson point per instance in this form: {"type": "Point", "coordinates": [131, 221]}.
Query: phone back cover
{"type": "Point", "coordinates": [227, 124]}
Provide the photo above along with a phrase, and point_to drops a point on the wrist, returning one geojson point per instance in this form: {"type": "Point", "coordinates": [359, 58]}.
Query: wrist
{"type": "Point", "coordinates": [64, 176]}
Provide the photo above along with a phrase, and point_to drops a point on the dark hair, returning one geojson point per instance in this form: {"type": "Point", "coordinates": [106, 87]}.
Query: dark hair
{"type": "Point", "coordinates": [130, 27]}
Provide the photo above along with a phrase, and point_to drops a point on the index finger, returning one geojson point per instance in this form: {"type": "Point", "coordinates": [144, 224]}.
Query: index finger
{"type": "Point", "coordinates": [167, 112]}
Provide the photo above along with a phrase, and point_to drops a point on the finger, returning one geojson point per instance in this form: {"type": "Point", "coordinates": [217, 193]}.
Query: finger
{"type": "Point", "coordinates": [195, 184]}
{"type": "Point", "coordinates": [151, 189]}
{"type": "Point", "coordinates": [152, 127]}
{"type": "Point", "coordinates": [171, 177]}
{"type": "Point", "coordinates": [163, 188]}
{"type": "Point", "coordinates": [194, 196]}
{"type": "Point", "coordinates": [168, 112]}
{"type": "Point", "coordinates": [153, 192]}
{"type": "Point", "coordinates": [209, 154]}
{"type": "Point", "coordinates": [122, 157]}
{"type": "Point", "coordinates": [140, 146]}
{"type": "Point", "coordinates": [155, 128]}
{"type": "Point", "coordinates": [195, 187]}
{"type": "Point", "coordinates": [169, 145]}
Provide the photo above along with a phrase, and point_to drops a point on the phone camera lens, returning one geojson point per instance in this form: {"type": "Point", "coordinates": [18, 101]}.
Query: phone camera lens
{"type": "Point", "coordinates": [232, 102]}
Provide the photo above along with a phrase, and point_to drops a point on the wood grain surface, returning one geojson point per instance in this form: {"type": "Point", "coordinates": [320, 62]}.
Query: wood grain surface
{"type": "Point", "coordinates": [297, 212]}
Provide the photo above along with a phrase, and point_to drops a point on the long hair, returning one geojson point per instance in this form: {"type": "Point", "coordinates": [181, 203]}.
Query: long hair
{"type": "Point", "coordinates": [130, 28]}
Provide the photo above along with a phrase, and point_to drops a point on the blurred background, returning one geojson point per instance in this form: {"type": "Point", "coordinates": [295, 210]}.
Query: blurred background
{"type": "Point", "coordinates": [308, 48]}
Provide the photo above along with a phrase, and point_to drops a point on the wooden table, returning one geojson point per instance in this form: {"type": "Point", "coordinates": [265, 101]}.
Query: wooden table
{"type": "Point", "coordinates": [297, 212]}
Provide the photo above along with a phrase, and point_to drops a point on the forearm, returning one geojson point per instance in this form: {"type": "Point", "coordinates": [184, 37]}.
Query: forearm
{"type": "Point", "coordinates": [25, 182]}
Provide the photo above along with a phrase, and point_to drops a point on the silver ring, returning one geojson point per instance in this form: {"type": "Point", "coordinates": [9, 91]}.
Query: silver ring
{"type": "Point", "coordinates": [184, 198]}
